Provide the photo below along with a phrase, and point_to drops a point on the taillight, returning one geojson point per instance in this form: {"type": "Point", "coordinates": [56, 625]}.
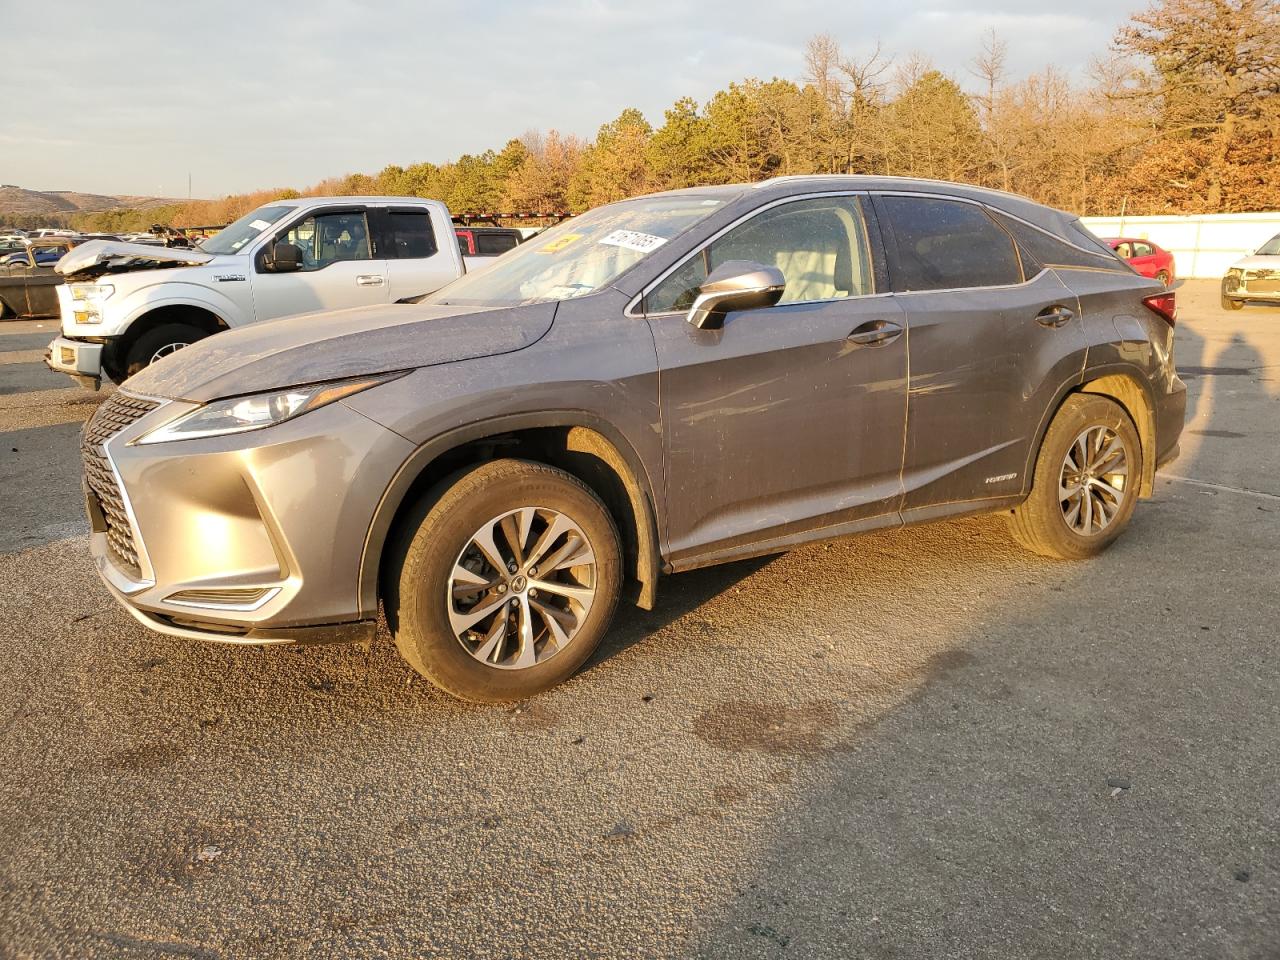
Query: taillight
{"type": "Point", "coordinates": [1163, 305]}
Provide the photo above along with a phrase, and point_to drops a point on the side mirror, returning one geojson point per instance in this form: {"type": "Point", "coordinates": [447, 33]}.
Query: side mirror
{"type": "Point", "coordinates": [282, 258]}
{"type": "Point", "coordinates": [735, 285]}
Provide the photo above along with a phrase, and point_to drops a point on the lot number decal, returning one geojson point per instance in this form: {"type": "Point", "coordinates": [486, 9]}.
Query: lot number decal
{"type": "Point", "coordinates": [633, 240]}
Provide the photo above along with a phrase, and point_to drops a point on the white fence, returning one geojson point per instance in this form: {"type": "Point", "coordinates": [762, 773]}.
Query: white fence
{"type": "Point", "coordinates": [1202, 246]}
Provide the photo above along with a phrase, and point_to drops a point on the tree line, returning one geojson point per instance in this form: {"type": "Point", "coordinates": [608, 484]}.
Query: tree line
{"type": "Point", "coordinates": [1182, 116]}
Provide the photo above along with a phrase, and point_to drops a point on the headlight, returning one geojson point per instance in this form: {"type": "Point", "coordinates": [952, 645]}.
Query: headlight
{"type": "Point", "coordinates": [86, 301]}
{"type": "Point", "coordinates": [1234, 272]}
{"type": "Point", "coordinates": [239, 414]}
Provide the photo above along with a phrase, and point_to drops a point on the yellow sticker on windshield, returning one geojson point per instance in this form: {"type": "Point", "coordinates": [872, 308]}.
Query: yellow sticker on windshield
{"type": "Point", "coordinates": [559, 243]}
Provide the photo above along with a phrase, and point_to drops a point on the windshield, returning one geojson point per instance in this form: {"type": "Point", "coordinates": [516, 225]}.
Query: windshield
{"type": "Point", "coordinates": [232, 239]}
{"type": "Point", "coordinates": [582, 255]}
{"type": "Point", "coordinates": [1271, 248]}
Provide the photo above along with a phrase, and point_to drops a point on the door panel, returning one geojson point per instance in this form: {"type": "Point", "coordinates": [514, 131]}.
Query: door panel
{"type": "Point", "coordinates": [416, 265]}
{"type": "Point", "coordinates": [778, 423]}
{"type": "Point", "coordinates": [984, 369]}
{"type": "Point", "coordinates": [340, 269]}
{"type": "Point", "coordinates": [42, 294]}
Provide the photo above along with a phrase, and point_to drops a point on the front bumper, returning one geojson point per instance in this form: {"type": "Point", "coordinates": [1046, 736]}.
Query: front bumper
{"type": "Point", "coordinates": [250, 538]}
{"type": "Point", "coordinates": [1252, 285]}
{"type": "Point", "coordinates": [76, 358]}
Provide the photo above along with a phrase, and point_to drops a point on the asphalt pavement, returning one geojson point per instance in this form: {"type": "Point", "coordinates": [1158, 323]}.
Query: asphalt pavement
{"type": "Point", "coordinates": [919, 743]}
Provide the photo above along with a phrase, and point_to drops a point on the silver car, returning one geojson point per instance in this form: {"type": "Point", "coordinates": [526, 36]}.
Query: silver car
{"type": "Point", "coordinates": [660, 384]}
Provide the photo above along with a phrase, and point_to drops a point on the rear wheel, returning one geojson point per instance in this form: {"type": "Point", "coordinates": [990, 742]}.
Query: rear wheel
{"type": "Point", "coordinates": [159, 343]}
{"type": "Point", "coordinates": [505, 582]}
{"type": "Point", "coordinates": [1163, 277]}
{"type": "Point", "coordinates": [1086, 481]}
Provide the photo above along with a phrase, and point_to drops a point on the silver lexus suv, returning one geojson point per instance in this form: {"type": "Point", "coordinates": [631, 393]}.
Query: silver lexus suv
{"type": "Point", "coordinates": [668, 382]}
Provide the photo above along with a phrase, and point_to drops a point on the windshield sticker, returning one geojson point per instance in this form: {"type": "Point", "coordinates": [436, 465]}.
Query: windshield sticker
{"type": "Point", "coordinates": [633, 240]}
{"type": "Point", "coordinates": [558, 244]}
{"type": "Point", "coordinates": [259, 225]}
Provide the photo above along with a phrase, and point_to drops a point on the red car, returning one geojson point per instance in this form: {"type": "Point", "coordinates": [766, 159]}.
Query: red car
{"type": "Point", "coordinates": [1145, 257]}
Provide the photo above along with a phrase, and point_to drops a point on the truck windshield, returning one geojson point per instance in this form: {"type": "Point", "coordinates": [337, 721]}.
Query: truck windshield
{"type": "Point", "coordinates": [232, 238]}
{"type": "Point", "coordinates": [581, 255]}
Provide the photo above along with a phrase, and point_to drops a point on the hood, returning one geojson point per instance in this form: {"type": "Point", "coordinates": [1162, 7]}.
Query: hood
{"type": "Point", "coordinates": [360, 341]}
{"type": "Point", "coordinates": [107, 255]}
{"type": "Point", "coordinates": [1256, 262]}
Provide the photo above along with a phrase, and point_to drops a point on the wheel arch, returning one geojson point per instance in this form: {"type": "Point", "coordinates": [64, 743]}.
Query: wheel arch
{"type": "Point", "coordinates": [197, 315]}
{"type": "Point", "coordinates": [1128, 387]}
{"type": "Point", "coordinates": [575, 441]}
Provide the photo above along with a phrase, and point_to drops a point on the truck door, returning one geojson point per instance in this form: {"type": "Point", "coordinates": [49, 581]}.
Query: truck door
{"type": "Point", "coordinates": [418, 261]}
{"type": "Point", "coordinates": [341, 267]}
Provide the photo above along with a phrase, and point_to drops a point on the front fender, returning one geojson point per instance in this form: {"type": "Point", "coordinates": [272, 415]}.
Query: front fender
{"type": "Point", "coordinates": [154, 296]}
{"type": "Point", "coordinates": [630, 466]}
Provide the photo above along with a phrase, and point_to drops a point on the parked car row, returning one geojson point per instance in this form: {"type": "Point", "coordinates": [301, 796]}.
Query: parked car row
{"type": "Point", "coordinates": [660, 384]}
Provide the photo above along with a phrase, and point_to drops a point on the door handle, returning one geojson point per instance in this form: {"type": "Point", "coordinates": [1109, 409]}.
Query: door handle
{"type": "Point", "coordinates": [369, 280]}
{"type": "Point", "coordinates": [875, 333]}
{"type": "Point", "coordinates": [1054, 316]}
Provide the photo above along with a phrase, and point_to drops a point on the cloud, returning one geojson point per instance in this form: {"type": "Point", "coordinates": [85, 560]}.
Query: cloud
{"type": "Point", "coordinates": [271, 97]}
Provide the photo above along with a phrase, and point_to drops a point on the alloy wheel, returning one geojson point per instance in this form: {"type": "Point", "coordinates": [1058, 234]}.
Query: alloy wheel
{"type": "Point", "coordinates": [167, 349]}
{"type": "Point", "coordinates": [521, 588]}
{"type": "Point", "coordinates": [1094, 480]}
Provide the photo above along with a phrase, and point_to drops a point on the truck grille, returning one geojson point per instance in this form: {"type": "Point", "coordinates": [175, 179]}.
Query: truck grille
{"type": "Point", "coordinates": [117, 412]}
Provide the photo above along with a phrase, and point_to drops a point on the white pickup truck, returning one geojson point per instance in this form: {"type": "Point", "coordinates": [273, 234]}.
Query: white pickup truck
{"type": "Point", "coordinates": [125, 305]}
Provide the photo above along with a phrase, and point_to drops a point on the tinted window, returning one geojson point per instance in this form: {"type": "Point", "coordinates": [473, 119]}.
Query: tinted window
{"type": "Point", "coordinates": [409, 235]}
{"type": "Point", "coordinates": [1054, 252]}
{"type": "Point", "coordinates": [492, 244]}
{"type": "Point", "coordinates": [1142, 250]}
{"type": "Point", "coordinates": [820, 245]}
{"type": "Point", "coordinates": [330, 238]}
{"type": "Point", "coordinates": [946, 244]}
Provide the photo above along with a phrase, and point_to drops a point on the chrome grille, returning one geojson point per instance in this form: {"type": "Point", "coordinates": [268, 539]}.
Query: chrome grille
{"type": "Point", "coordinates": [117, 412]}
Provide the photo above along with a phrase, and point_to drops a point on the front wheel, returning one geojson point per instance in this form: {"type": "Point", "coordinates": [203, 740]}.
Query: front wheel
{"type": "Point", "coordinates": [159, 343]}
{"type": "Point", "coordinates": [1086, 481]}
{"type": "Point", "coordinates": [505, 581]}
{"type": "Point", "coordinates": [1230, 304]}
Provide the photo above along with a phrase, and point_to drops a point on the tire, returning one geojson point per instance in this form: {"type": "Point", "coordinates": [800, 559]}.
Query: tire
{"type": "Point", "coordinates": [163, 339]}
{"type": "Point", "coordinates": [1163, 277]}
{"type": "Point", "coordinates": [1229, 304]}
{"type": "Point", "coordinates": [5, 312]}
{"type": "Point", "coordinates": [1043, 522]}
{"type": "Point", "coordinates": [426, 598]}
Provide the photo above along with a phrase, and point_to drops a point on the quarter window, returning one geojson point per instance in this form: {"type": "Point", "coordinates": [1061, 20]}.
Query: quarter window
{"type": "Point", "coordinates": [330, 238]}
{"type": "Point", "coordinates": [1086, 250]}
{"type": "Point", "coordinates": [820, 245]}
{"type": "Point", "coordinates": [947, 244]}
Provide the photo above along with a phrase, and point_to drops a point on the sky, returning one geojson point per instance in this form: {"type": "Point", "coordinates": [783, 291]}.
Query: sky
{"type": "Point", "coordinates": [131, 97]}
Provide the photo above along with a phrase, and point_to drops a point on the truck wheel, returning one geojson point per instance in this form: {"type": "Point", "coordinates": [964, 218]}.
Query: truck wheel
{"type": "Point", "coordinates": [160, 342]}
{"type": "Point", "coordinates": [505, 581]}
{"type": "Point", "coordinates": [1086, 481]}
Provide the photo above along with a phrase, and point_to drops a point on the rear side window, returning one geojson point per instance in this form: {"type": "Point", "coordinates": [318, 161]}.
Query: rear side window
{"type": "Point", "coordinates": [492, 244]}
{"type": "Point", "coordinates": [947, 244]}
{"type": "Point", "coordinates": [409, 235]}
